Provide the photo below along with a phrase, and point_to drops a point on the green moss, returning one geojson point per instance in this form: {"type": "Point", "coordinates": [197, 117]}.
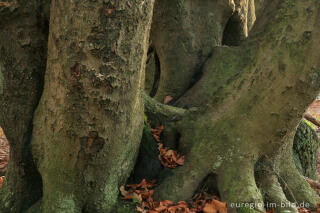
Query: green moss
{"type": "Point", "coordinates": [305, 148]}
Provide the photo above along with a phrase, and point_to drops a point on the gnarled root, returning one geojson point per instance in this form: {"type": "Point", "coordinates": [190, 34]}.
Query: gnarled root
{"type": "Point", "coordinates": [182, 183]}
{"type": "Point", "coordinates": [273, 193]}
{"type": "Point", "coordinates": [296, 187]}
{"type": "Point", "coordinates": [237, 185]}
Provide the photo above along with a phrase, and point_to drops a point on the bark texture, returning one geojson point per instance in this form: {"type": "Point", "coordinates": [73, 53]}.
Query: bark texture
{"type": "Point", "coordinates": [23, 42]}
{"type": "Point", "coordinates": [88, 124]}
{"type": "Point", "coordinates": [271, 77]}
{"type": "Point", "coordinates": [183, 36]}
{"type": "Point", "coordinates": [86, 130]}
{"type": "Point", "coordinates": [305, 150]}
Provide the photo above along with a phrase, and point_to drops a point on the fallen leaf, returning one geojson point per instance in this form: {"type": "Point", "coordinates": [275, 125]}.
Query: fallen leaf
{"type": "Point", "coordinates": [108, 11]}
{"type": "Point", "coordinates": [167, 99]}
{"type": "Point", "coordinates": [5, 4]}
{"type": "Point", "coordinates": [209, 208]}
{"type": "Point", "coordinates": [221, 206]}
{"type": "Point", "coordinates": [123, 191]}
{"type": "Point", "coordinates": [1, 180]}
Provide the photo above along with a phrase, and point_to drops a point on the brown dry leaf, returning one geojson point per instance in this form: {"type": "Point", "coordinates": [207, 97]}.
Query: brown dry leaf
{"type": "Point", "coordinates": [143, 193]}
{"type": "Point", "coordinates": [127, 195]}
{"type": "Point", "coordinates": [221, 206]}
{"type": "Point", "coordinates": [183, 204]}
{"type": "Point", "coordinates": [1, 180]}
{"type": "Point", "coordinates": [166, 202]}
{"type": "Point", "coordinates": [137, 197]}
{"type": "Point", "coordinates": [156, 132]}
{"type": "Point", "coordinates": [209, 208]}
{"type": "Point", "coordinates": [180, 161]}
{"type": "Point", "coordinates": [167, 99]}
{"type": "Point", "coordinates": [123, 191]}
{"type": "Point", "coordinates": [161, 208]}
{"type": "Point", "coordinates": [5, 4]}
{"type": "Point", "coordinates": [139, 209]}
{"type": "Point", "coordinates": [170, 158]}
{"type": "Point", "coordinates": [109, 11]}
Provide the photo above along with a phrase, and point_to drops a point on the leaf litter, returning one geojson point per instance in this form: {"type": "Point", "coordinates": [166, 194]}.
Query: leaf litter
{"type": "Point", "coordinates": [169, 158]}
{"type": "Point", "coordinates": [142, 194]}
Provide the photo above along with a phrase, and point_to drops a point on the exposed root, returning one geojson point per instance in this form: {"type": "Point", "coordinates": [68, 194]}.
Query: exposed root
{"type": "Point", "coordinates": [297, 188]}
{"type": "Point", "coordinates": [237, 185]}
{"type": "Point", "coordinates": [181, 184]}
{"type": "Point", "coordinates": [273, 193]}
{"type": "Point", "coordinates": [294, 185]}
{"type": "Point", "coordinates": [160, 112]}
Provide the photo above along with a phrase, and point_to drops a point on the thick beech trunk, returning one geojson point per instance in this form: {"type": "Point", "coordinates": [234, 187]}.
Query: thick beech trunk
{"type": "Point", "coordinates": [86, 130]}
{"type": "Point", "coordinates": [88, 125]}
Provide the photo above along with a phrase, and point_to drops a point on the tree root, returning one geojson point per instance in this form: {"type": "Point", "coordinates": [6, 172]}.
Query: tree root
{"type": "Point", "coordinates": [237, 185]}
{"type": "Point", "coordinates": [181, 184]}
{"type": "Point", "coordinates": [296, 187]}
{"type": "Point", "coordinates": [161, 113]}
{"type": "Point", "coordinates": [273, 193]}
{"type": "Point", "coordinates": [236, 180]}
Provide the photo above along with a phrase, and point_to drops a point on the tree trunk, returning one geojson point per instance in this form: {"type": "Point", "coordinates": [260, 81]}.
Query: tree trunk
{"type": "Point", "coordinates": [250, 100]}
{"type": "Point", "coordinates": [88, 124]}
{"type": "Point", "coordinates": [238, 90]}
{"type": "Point", "coordinates": [23, 42]}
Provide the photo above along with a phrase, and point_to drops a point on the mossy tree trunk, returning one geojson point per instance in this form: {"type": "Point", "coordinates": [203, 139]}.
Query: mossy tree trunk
{"type": "Point", "coordinates": [86, 130]}
{"type": "Point", "coordinates": [23, 46]}
{"type": "Point", "coordinates": [88, 125]}
{"type": "Point", "coordinates": [239, 91]}
{"type": "Point", "coordinates": [250, 98]}
{"type": "Point", "coordinates": [305, 150]}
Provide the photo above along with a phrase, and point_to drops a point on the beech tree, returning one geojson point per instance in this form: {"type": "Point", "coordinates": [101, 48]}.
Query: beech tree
{"type": "Point", "coordinates": [240, 74]}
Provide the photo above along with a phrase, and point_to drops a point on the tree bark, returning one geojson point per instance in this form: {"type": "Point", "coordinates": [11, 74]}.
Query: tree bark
{"type": "Point", "coordinates": [271, 77]}
{"type": "Point", "coordinates": [183, 35]}
{"type": "Point", "coordinates": [88, 124]}
{"type": "Point", "coordinates": [306, 150]}
{"type": "Point", "coordinates": [23, 42]}
{"type": "Point", "coordinates": [86, 130]}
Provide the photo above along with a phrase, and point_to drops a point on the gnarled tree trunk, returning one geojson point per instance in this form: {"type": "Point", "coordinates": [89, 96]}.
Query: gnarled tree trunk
{"type": "Point", "coordinates": [239, 90]}
{"type": "Point", "coordinates": [250, 99]}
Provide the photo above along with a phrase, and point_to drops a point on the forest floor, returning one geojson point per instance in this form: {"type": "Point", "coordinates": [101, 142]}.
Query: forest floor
{"type": "Point", "coordinates": [141, 193]}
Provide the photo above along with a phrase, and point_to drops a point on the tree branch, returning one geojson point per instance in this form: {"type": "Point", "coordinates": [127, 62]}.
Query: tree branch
{"type": "Point", "coordinates": [161, 112]}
